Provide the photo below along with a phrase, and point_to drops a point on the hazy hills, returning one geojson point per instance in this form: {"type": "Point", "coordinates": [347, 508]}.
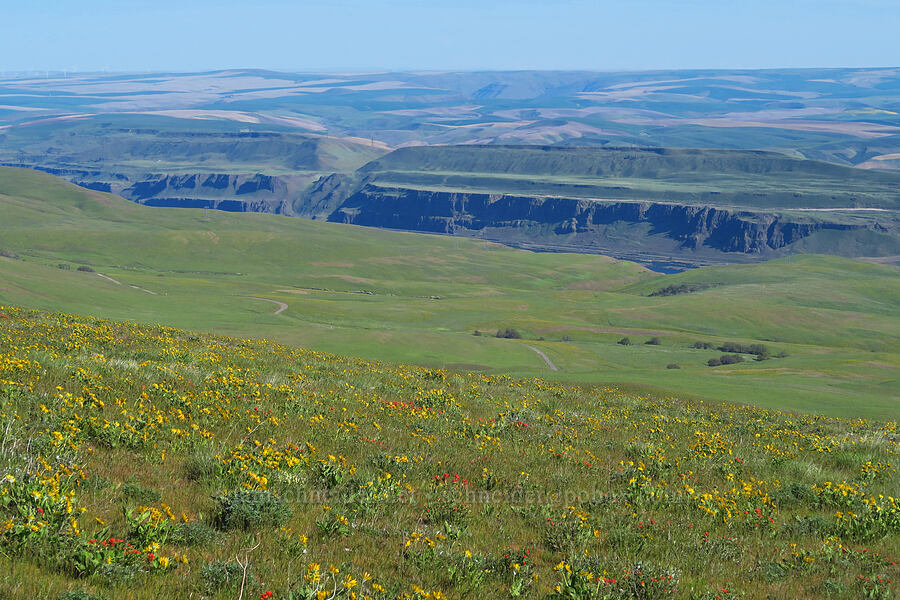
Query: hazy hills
{"type": "Point", "coordinates": [848, 116]}
{"type": "Point", "coordinates": [345, 147]}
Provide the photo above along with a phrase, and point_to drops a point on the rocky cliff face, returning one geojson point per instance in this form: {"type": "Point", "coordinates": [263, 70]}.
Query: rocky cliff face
{"type": "Point", "coordinates": [692, 227]}
{"type": "Point", "coordinates": [235, 193]}
{"type": "Point", "coordinates": [215, 184]}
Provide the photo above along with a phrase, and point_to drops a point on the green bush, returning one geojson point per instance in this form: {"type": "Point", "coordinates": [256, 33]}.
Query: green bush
{"type": "Point", "coordinates": [624, 341]}
{"type": "Point", "coordinates": [725, 359]}
{"type": "Point", "coordinates": [194, 534]}
{"type": "Point", "coordinates": [138, 493]}
{"type": "Point", "coordinates": [202, 467]}
{"type": "Point", "coordinates": [509, 333]}
{"type": "Point", "coordinates": [219, 575]}
{"type": "Point", "coordinates": [247, 509]}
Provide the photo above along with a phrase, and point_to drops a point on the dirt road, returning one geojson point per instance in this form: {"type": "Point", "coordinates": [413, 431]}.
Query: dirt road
{"type": "Point", "coordinates": [546, 358]}
{"type": "Point", "coordinates": [281, 305]}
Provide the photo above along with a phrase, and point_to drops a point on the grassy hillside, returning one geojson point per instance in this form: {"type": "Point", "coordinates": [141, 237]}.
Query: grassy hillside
{"type": "Point", "coordinates": [147, 462]}
{"type": "Point", "coordinates": [134, 145]}
{"type": "Point", "coordinates": [418, 299]}
{"type": "Point", "coordinates": [724, 178]}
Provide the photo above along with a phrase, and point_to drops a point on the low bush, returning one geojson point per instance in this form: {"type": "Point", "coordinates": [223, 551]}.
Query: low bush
{"type": "Point", "coordinates": [624, 341]}
{"type": "Point", "coordinates": [509, 333]}
{"type": "Point", "coordinates": [138, 493]}
{"type": "Point", "coordinates": [248, 509]}
{"type": "Point", "coordinates": [194, 533]}
{"type": "Point", "coordinates": [85, 269]}
{"type": "Point", "coordinates": [222, 575]}
{"type": "Point", "coordinates": [654, 341]}
{"type": "Point", "coordinates": [760, 350]}
{"type": "Point", "coordinates": [681, 288]}
{"type": "Point", "coordinates": [725, 359]}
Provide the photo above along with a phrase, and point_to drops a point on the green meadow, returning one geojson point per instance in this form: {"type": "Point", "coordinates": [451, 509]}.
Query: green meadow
{"type": "Point", "coordinates": [411, 298]}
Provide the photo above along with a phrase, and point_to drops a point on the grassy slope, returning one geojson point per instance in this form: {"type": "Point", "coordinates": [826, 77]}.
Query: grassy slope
{"type": "Point", "coordinates": [166, 144]}
{"type": "Point", "coordinates": [674, 494]}
{"type": "Point", "coordinates": [728, 178]}
{"type": "Point", "coordinates": [203, 273]}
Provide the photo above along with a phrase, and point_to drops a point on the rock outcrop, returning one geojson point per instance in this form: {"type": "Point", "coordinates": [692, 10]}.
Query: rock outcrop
{"type": "Point", "coordinates": [693, 227]}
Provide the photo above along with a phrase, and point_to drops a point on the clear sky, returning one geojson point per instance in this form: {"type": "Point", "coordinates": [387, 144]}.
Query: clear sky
{"type": "Point", "coordinates": [323, 35]}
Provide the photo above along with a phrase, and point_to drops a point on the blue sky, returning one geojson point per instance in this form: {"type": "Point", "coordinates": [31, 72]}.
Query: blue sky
{"type": "Point", "coordinates": [323, 35]}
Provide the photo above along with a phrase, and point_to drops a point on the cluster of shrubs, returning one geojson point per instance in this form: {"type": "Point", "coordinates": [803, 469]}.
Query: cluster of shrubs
{"type": "Point", "coordinates": [654, 341]}
{"type": "Point", "coordinates": [725, 359]}
{"type": "Point", "coordinates": [761, 351]}
{"type": "Point", "coordinates": [9, 254]}
{"type": "Point", "coordinates": [509, 333]}
{"type": "Point", "coordinates": [681, 288]}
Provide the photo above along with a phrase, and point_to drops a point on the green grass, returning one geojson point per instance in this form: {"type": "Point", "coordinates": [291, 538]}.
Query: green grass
{"type": "Point", "coordinates": [148, 462]}
{"type": "Point", "coordinates": [413, 298]}
{"type": "Point", "coordinates": [723, 178]}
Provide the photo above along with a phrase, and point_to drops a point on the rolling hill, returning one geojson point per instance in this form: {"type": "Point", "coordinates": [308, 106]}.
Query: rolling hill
{"type": "Point", "coordinates": [414, 298]}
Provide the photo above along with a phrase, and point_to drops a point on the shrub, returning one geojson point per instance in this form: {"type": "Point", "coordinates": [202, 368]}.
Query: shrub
{"type": "Point", "coordinates": [202, 467]}
{"type": "Point", "coordinates": [64, 267]}
{"type": "Point", "coordinates": [681, 288]}
{"type": "Point", "coordinates": [654, 341]}
{"type": "Point", "coordinates": [731, 359]}
{"type": "Point", "coordinates": [85, 269]}
{"type": "Point", "coordinates": [672, 366]}
{"type": "Point", "coordinates": [624, 341]}
{"type": "Point", "coordinates": [246, 509]}
{"type": "Point", "coordinates": [194, 534]}
{"type": "Point", "coordinates": [725, 359]}
{"type": "Point", "coordinates": [138, 493]}
{"type": "Point", "coordinates": [9, 254]}
{"type": "Point", "coordinates": [219, 575]}
{"type": "Point", "coordinates": [703, 346]}
{"type": "Point", "coordinates": [509, 333]}
{"type": "Point", "coordinates": [760, 350]}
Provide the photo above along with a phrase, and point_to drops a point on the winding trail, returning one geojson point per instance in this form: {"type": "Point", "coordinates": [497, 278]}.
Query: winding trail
{"type": "Point", "coordinates": [281, 305]}
{"type": "Point", "coordinates": [545, 357]}
{"type": "Point", "coordinates": [117, 282]}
